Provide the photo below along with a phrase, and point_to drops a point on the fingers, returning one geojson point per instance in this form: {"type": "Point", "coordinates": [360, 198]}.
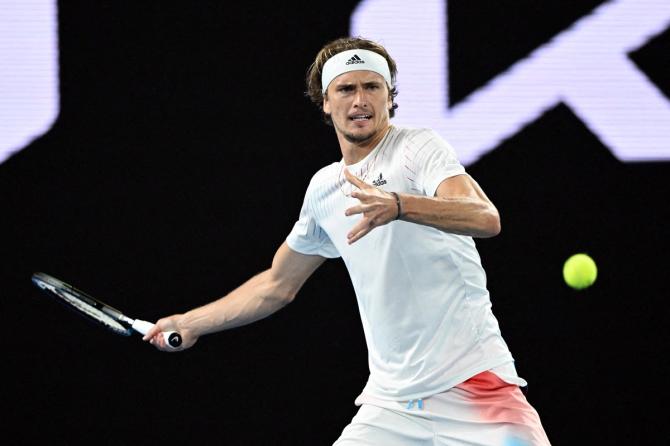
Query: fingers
{"type": "Point", "coordinates": [373, 216]}
{"type": "Point", "coordinates": [377, 206]}
{"type": "Point", "coordinates": [161, 344]}
{"type": "Point", "coordinates": [353, 179]}
{"type": "Point", "coordinates": [359, 209]}
{"type": "Point", "coordinates": [161, 325]}
{"type": "Point", "coordinates": [155, 334]}
{"type": "Point", "coordinates": [361, 229]}
{"type": "Point", "coordinates": [151, 333]}
{"type": "Point", "coordinates": [158, 342]}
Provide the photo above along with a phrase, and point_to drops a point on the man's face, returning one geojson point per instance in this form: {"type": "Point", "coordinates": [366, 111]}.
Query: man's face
{"type": "Point", "coordinates": [358, 103]}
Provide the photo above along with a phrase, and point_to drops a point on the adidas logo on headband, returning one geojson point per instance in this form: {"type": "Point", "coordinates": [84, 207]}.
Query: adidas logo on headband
{"type": "Point", "coordinates": [355, 59]}
{"type": "Point", "coordinates": [349, 60]}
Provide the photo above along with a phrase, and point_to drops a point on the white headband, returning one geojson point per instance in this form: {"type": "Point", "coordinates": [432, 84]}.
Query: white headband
{"type": "Point", "coordinates": [354, 60]}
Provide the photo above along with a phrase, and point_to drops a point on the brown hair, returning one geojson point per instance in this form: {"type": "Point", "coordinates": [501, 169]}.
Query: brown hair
{"type": "Point", "coordinates": [313, 80]}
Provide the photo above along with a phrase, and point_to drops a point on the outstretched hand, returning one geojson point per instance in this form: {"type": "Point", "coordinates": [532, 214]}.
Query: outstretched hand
{"type": "Point", "coordinates": [155, 334]}
{"type": "Point", "coordinates": [377, 206]}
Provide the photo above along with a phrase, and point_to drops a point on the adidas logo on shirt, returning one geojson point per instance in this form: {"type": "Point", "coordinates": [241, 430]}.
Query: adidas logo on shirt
{"type": "Point", "coordinates": [354, 59]}
{"type": "Point", "coordinates": [379, 181]}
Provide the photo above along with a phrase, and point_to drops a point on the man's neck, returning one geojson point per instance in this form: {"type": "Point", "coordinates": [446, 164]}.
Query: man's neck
{"type": "Point", "coordinates": [353, 152]}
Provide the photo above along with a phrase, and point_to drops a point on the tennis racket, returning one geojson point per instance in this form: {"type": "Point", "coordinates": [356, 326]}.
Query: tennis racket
{"type": "Point", "coordinates": [96, 311]}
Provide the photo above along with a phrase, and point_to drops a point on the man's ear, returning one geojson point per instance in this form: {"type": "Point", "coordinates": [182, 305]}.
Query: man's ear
{"type": "Point", "coordinates": [326, 105]}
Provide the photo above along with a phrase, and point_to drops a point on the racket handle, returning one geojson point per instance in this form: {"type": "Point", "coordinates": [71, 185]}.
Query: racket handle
{"type": "Point", "coordinates": [172, 338]}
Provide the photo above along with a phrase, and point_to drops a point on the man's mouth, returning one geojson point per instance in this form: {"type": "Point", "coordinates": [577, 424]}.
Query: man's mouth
{"type": "Point", "coordinates": [362, 117]}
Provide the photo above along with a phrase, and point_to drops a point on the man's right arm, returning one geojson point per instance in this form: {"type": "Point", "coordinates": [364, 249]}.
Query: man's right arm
{"type": "Point", "coordinates": [257, 298]}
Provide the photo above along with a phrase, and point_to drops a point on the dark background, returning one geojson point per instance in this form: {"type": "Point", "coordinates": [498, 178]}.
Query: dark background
{"type": "Point", "coordinates": [178, 165]}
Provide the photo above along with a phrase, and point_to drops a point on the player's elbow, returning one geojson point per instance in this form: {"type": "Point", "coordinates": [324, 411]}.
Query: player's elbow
{"type": "Point", "coordinates": [490, 224]}
{"type": "Point", "coordinates": [272, 291]}
{"type": "Point", "coordinates": [281, 292]}
{"type": "Point", "coordinates": [287, 296]}
{"type": "Point", "coordinates": [495, 227]}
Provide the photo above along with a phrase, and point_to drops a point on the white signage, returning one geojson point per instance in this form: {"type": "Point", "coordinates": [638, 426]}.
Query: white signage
{"type": "Point", "coordinates": [586, 67]}
{"type": "Point", "coordinates": [29, 101]}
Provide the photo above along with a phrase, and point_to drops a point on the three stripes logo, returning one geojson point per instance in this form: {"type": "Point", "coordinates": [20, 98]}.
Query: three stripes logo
{"type": "Point", "coordinates": [379, 181]}
{"type": "Point", "coordinates": [354, 59]}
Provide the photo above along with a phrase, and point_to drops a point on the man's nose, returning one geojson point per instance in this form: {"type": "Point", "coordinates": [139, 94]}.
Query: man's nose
{"type": "Point", "coordinates": [360, 98]}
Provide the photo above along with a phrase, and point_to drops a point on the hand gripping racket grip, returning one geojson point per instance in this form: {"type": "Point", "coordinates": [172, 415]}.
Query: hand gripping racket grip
{"type": "Point", "coordinates": [172, 338]}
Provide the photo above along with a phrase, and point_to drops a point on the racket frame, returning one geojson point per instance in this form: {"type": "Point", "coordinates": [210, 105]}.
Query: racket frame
{"type": "Point", "coordinates": [97, 311]}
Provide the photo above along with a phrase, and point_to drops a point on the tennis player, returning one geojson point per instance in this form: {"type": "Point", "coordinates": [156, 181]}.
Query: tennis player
{"type": "Point", "coordinates": [402, 212]}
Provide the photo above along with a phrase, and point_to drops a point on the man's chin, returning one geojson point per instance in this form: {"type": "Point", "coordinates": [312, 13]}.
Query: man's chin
{"type": "Point", "coordinates": [358, 137]}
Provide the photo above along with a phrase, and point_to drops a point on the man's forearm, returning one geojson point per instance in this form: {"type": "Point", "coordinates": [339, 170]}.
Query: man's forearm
{"type": "Point", "coordinates": [255, 299]}
{"type": "Point", "coordinates": [465, 216]}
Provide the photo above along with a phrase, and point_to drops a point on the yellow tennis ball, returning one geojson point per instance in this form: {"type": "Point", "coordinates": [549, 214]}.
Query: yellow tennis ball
{"type": "Point", "coordinates": [580, 271]}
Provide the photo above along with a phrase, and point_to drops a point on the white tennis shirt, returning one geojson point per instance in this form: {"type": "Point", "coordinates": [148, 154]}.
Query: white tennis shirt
{"type": "Point", "coordinates": [421, 292]}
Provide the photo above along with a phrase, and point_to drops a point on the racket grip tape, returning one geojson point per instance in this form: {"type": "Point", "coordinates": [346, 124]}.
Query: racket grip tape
{"type": "Point", "coordinates": [172, 338]}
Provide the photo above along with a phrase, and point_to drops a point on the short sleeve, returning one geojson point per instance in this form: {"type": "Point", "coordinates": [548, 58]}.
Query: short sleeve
{"type": "Point", "coordinates": [435, 162]}
{"type": "Point", "coordinates": [307, 237]}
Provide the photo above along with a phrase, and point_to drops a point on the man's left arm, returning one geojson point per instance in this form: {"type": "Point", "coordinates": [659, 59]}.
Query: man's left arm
{"type": "Point", "coordinates": [459, 206]}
